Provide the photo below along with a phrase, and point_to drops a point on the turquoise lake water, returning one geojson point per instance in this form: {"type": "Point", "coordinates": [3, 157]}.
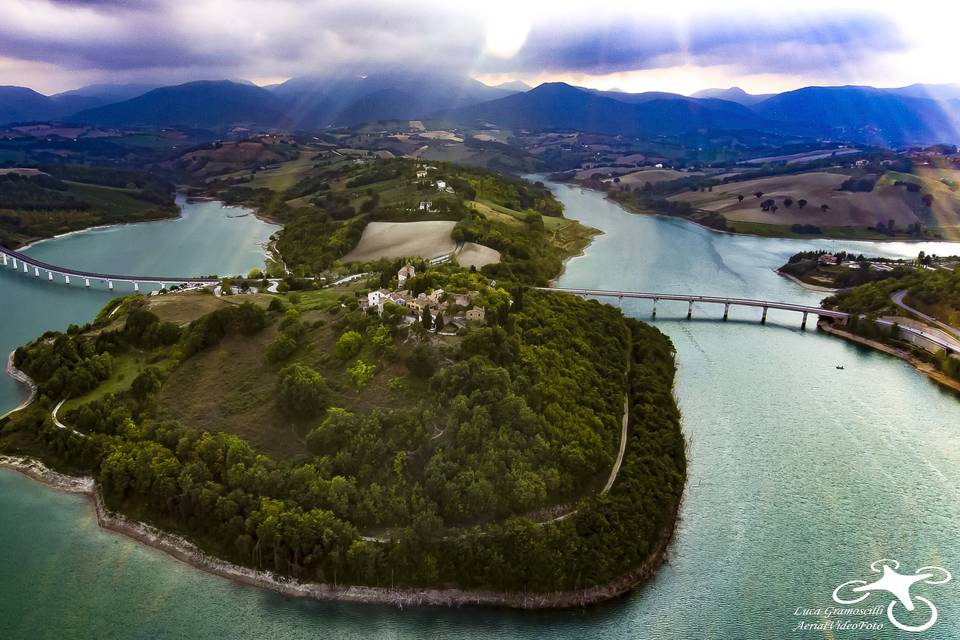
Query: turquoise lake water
{"type": "Point", "coordinates": [801, 475]}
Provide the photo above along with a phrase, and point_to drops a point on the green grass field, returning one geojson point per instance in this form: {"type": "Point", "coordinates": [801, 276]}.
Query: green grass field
{"type": "Point", "coordinates": [284, 176]}
{"type": "Point", "coordinates": [126, 367]}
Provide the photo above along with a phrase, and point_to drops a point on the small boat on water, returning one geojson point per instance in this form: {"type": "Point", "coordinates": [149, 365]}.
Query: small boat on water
{"type": "Point", "coordinates": [840, 366]}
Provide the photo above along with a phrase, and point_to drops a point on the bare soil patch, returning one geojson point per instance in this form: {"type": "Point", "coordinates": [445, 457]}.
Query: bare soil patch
{"type": "Point", "coordinates": [477, 255]}
{"type": "Point", "coordinates": [398, 239]}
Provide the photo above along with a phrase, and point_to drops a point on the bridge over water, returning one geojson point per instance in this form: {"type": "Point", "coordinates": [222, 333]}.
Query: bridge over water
{"type": "Point", "coordinates": [21, 261]}
{"type": "Point", "coordinates": [28, 264]}
{"type": "Point", "coordinates": [948, 345]}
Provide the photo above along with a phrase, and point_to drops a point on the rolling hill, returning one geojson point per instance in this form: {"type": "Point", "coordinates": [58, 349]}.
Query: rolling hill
{"type": "Point", "coordinates": [194, 104]}
{"type": "Point", "coordinates": [20, 104]}
{"type": "Point", "coordinates": [320, 101]}
{"type": "Point", "coordinates": [733, 94]}
{"type": "Point", "coordinates": [561, 106]}
{"type": "Point", "coordinates": [866, 114]}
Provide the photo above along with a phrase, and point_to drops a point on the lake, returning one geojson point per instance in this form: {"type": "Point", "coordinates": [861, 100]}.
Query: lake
{"type": "Point", "coordinates": [800, 475]}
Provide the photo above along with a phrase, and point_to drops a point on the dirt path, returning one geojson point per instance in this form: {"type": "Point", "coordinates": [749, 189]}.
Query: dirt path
{"type": "Point", "coordinates": [623, 447]}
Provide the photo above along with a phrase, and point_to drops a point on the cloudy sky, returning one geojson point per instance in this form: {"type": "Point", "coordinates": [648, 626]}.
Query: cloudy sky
{"type": "Point", "coordinates": [635, 45]}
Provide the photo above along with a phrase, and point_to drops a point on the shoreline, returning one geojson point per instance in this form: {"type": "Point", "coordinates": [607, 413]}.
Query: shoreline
{"type": "Point", "coordinates": [805, 285]}
{"type": "Point", "coordinates": [811, 236]}
{"type": "Point", "coordinates": [187, 552]}
{"type": "Point", "coordinates": [188, 199]}
{"type": "Point", "coordinates": [563, 267]}
{"type": "Point", "coordinates": [58, 236]}
{"type": "Point", "coordinates": [920, 366]}
{"type": "Point", "coordinates": [23, 379]}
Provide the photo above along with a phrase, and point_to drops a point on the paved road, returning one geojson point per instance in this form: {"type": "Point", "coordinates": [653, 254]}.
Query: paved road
{"type": "Point", "coordinates": [898, 300]}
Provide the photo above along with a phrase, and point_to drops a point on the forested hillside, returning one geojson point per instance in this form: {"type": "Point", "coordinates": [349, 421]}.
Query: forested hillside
{"type": "Point", "coordinates": [57, 199]}
{"type": "Point", "coordinates": [443, 484]}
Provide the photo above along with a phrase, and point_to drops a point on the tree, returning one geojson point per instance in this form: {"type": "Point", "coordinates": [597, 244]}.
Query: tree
{"type": "Point", "coordinates": [758, 194]}
{"type": "Point", "coordinates": [927, 199]}
{"type": "Point", "coordinates": [281, 348]}
{"type": "Point", "coordinates": [438, 322]}
{"type": "Point", "coordinates": [824, 208]}
{"type": "Point", "coordinates": [739, 197]}
{"type": "Point", "coordinates": [146, 383]}
{"type": "Point", "coordinates": [301, 391]}
{"type": "Point", "coordinates": [361, 373]}
{"type": "Point", "coordinates": [349, 345]}
{"type": "Point", "coordinates": [788, 202]}
{"type": "Point", "coordinates": [801, 203]}
{"type": "Point", "coordinates": [422, 362]}
{"type": "Point", "coordinates": [426, 319]}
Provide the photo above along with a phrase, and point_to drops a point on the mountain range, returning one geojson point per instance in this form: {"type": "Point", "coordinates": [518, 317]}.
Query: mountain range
{"type": "Point", "coordinates": [906, 115]}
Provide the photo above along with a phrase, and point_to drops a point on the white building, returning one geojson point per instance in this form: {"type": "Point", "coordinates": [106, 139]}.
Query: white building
{"type": "Point", "coordinates": [407, 271]}
{"type": "Point", "coordinates": [376, 298]}
{"type": "Point", "coordinates": [441, 185]}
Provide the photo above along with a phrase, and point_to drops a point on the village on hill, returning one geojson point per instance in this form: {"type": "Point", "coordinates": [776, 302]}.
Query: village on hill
{"type": "Point", "coordinates": [435, 309]}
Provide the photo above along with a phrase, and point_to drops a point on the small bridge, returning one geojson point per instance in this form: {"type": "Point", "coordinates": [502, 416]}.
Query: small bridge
{"type": "Point", "coordinates": [947, 345]}
{"type": "Point", "coordinates": [21, 261]}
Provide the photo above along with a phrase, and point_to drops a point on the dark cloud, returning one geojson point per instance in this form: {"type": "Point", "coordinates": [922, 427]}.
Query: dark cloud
{"type": "Point", "coordinates": [146, 39]}
{"type": "Point", "coordinates": [751, 44]}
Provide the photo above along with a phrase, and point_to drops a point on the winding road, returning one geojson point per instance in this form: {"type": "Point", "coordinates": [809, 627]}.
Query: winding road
{"type": "Point", "coordinates": [898, 300]}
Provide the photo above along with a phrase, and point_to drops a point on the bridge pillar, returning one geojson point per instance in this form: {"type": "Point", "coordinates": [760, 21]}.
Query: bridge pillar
{"type": "Point", "coordinates": [50, 276]}
{"type": "Point", "coordinates": [36, 272]}
{"type": "Point", "coordinates": [136, 286]}
{"type": "Point", "coordinates": [15, 264]}
{"type": "Point", "coordinates": [86, 282]}
{"type": "Point", "coordinates": [4, 259]}
{"type": "Point", "coordinates": [163, 285]}
{"type": "Point", "coordinates": [654, 314]}
{"type": "Point", "coordinates": [726, 310]}
{"type": "Point", "coordinates": [66, 278]}
{"type": "Point", "coordinates": [26, 267]}
{"type": "Point", "coordinates": [803, 323]}
{"type": "Point", "coordinates": [764, 317]}
{"type": "Point", "coordinates": [110, 284]}
{"type": "Point", "coordinates": [689, 309]}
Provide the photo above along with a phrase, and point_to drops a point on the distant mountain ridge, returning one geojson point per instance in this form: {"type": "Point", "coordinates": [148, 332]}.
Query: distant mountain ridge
{"type": "Point", "coordinates": [320, 101]}
{"type": "Point", "coordinates": [562, 106]}
{"type": "Point", "coordinates": [205, 103]}
{"type": "Point", "coordinates": [733, 94]}
{"type": "Point", "coordinates": [916, 114]}
{"type": "Point", "coordinates": [866, 114]}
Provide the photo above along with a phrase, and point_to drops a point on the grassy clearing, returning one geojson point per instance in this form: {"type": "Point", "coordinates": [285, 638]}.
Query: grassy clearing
{"type": "Point", "coordinates": [321, 299]}
{"type": "Point", "coordinates": [231, 387]}
{"type": "Point", "coordinates": [183, 308]}
{"type": "Point", "coordinates": [284, 176]}
{"type": "Point", "coordinates": [126, 367]}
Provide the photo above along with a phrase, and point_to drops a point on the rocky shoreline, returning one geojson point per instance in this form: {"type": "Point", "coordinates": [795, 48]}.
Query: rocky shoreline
{"type": "Point", "coordinates": [182, 549]}
{"type": "Point", "coordinates": [23, 379]}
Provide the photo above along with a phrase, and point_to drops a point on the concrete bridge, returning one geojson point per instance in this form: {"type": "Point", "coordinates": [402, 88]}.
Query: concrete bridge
{"type": "Point", "coordinates": [940, 342]}
{"type": "Point", "coordinates": [726, 302]}
{"type": "Point", "coordinates": [22, 262]}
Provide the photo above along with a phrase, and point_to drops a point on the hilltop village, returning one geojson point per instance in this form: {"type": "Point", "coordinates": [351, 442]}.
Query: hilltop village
{"type": "Point", "coordinates": [434, 310]}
